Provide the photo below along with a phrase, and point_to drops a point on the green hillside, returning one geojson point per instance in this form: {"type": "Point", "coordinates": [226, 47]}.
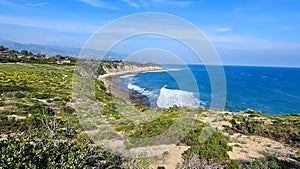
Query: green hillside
{"type": "Point", "coordinates": [40, 129]}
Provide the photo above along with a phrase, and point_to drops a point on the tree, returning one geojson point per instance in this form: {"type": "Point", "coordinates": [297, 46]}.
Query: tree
{"type": "Point", "coordinates": [24, 52]}
{"type": "Point", "coordinates": [2, 48]}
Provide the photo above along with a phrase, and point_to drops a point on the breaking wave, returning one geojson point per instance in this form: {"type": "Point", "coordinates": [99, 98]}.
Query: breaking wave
{"type": "Point", "coordinates": [170, 97]}
{"type": "Point", "coordinates": [138, 89]}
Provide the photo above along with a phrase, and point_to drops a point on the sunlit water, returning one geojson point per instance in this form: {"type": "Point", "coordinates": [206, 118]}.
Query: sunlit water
{"type": "Point", "coordinates": [272, 90]}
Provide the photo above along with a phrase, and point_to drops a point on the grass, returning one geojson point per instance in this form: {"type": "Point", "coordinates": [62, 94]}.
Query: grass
{"type": "Point", "coordinates": [35, 113]}
{"type": "Point", "coordinates": [24, 87]}
{"type": "Point", "coordinates": [283, 128]}
{"type": "Point", "coordinates": [270, 162]}
{"type": "Point", "coordinates": [49, 133]}
{"type": "Point", "coordinates": [209, 145]}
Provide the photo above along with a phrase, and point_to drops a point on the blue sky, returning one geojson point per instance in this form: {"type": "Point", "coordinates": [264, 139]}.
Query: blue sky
{"type": "Point", "coordinates": [245, 32]}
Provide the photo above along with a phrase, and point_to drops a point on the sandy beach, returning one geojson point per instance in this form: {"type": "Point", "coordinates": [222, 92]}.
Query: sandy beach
{"type": "Point", "coordinates": [114, 88]}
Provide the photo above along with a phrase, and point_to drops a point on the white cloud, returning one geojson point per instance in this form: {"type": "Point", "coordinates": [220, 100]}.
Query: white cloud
{"type": "Point", "coordinates": [53, 24]}
{"type": "Point", "coordinates": [233, 41]}
{"type": "Point", "coordinates": [131, 3]}
{"type": "Point", "coordinates": [238, 42]}
{"type": "Point", "coordinates": [38, 4]}
{"type": "Point", "coordinates": [97, 3]}
{"type": "Point", "coordinates": [150, 23]}
{"type": "Point", "coordinates": [224, 29]}
{"type": "Point", "coordinates": [230, 39]}
{"type": "Point", "coordinates": [139, 3]}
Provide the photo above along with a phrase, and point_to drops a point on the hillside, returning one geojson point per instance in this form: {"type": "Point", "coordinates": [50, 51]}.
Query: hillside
{"type": "Point", "coordinates": [40, 127]}
{"type": "Point", "coordinates": [53, 50]}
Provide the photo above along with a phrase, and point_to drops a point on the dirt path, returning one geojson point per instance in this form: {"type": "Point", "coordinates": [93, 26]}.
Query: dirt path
{"type": "Point", "coordinates": [247, 147]}
{"type": "Point", "coordinates": [173, 157]}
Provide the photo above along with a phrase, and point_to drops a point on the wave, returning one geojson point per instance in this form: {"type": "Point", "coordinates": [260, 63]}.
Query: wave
{"type": "Point", "coordinates": [170, 97]}
{"type": "Point", "coordinates": [164, 70]}
{"type": "Point", "coordinates": [135, 87]}
{"type": "Point", "coordinates": [127, 76]}
{"type": "Point", "coordinates": [143, 91]}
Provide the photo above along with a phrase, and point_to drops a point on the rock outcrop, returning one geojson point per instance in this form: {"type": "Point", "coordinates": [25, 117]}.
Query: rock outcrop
{"type": "Point", "coordinates": [111, 67]}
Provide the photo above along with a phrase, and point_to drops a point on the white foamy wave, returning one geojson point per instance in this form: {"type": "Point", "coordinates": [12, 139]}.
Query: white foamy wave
{"type": "Point", "coordinates": [135, 87]}
{"type": "Point", "coordinates": [127, 76]}
{"type": "Point", "coordinates": [164, 70]}
{"type": "Point", "coordinates": [169, 97]}
{"type": "Point", "coordinates": [138, 89]}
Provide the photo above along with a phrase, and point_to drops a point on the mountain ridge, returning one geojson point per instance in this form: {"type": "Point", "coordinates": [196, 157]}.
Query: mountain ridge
{"type": "Point", "coordinates": [53, 50]}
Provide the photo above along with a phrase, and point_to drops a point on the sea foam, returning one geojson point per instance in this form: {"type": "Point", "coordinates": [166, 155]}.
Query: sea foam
{"type": "Point", "coordinates": [170, 97]}
{"type": "Point", "coordinates": [133, 87]}
{"type": "Point", "coordinates": [127, 76]}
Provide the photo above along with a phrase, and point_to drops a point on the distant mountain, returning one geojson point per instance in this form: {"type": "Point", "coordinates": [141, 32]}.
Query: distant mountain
{"type": "Point", "coordinates": [52, 50]}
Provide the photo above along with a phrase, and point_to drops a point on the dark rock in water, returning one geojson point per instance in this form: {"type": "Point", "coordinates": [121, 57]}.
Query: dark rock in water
{"type": "Point", "coordinates": [138, 98]}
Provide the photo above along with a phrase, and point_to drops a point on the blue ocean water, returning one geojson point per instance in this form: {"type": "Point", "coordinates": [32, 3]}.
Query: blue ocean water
{"type": "Point", "coordinates": [273, 90]}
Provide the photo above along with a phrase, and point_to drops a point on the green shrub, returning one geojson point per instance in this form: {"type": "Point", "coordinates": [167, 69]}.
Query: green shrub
{"type": "Point", "coordinates": [270, 162]}
{"type": "Point", "coordinates": [23, 151]}
{"type": "Point", "coordinates": [20, 94]}
{"type": "Point", "coordinates": [156, 126]}
{"type": "Point", "coordinates": [283, 128]}
{"type": "Point", "coordinates": [67, 110]}
{"type": "Point", "coordinates": [213, 149]}
{"type": "Point", "coordinates": [250, 111]}
{"type": "Point", "coordinates": [43, 95]}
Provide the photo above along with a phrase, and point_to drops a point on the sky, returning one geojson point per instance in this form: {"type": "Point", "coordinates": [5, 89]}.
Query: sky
{"type": "Point", "coordinates": [243, 32]}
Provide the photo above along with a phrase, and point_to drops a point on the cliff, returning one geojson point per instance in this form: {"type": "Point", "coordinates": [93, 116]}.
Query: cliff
{"type": "Point", "coordinates": [116, 67]}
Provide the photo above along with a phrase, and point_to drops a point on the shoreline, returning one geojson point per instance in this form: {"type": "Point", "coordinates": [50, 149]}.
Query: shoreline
{"type": "Point", "coordinates": [240, 150]}
{"type": "Point", "coordinates": [113, 87]}
{"type": "Point", "coordinates": [126, 72]}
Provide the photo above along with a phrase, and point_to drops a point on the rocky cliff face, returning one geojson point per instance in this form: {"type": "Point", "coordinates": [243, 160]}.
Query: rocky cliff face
{"type": "Point", "coordinates": [116, 67]}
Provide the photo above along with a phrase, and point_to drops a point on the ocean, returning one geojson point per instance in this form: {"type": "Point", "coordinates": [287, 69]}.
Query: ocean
{"type": "Point", "coordinates": [272, 90]}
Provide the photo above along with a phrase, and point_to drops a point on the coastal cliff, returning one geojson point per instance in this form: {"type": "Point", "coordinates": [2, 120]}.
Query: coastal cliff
{"type": "Point", "coordinates": [116, 67]}
{"type": "Point", "coordinates": [37, 109]}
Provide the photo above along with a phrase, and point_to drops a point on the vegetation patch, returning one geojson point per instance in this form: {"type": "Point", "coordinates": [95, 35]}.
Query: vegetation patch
{"type": "Point", "coordinates": [40, 129]}
{"type": "Point", "coordinates": [282, 128]}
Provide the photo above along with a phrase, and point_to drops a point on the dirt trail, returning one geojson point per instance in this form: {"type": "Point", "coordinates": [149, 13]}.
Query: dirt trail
{"type": "Point", "coordinates": [173, 158]}
{"type": "Point", "coordinates": [247, 147]}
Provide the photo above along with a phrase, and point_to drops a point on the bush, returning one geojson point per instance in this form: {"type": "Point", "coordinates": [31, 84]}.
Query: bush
{"type": "Point", "coordinates": [270, 162]}
{"type": "Point", "coordinates": [283, 128]}
{"type": "Point", "coordinates": [213, 149]}
{"type": "Point", "coordinates": [67, 110]}
{"type": "Point", "coordinates": [26, 151]}
{"type": "Point", "coordinates": [20, 94]}
{"type": "Point", "coordinates": [42, 95]}
{"type": "Point", "coordinates": [250, 111]}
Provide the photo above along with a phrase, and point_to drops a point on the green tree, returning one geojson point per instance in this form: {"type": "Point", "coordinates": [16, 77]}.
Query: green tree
{"type": "Point", "coordinates": [2, 48]}
{"type": "Point", "coordinates": [24, 52]}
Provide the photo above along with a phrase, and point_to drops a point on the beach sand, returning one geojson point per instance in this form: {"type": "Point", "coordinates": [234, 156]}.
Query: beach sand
{"type": "Point", "coordinates": [114, 87]}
